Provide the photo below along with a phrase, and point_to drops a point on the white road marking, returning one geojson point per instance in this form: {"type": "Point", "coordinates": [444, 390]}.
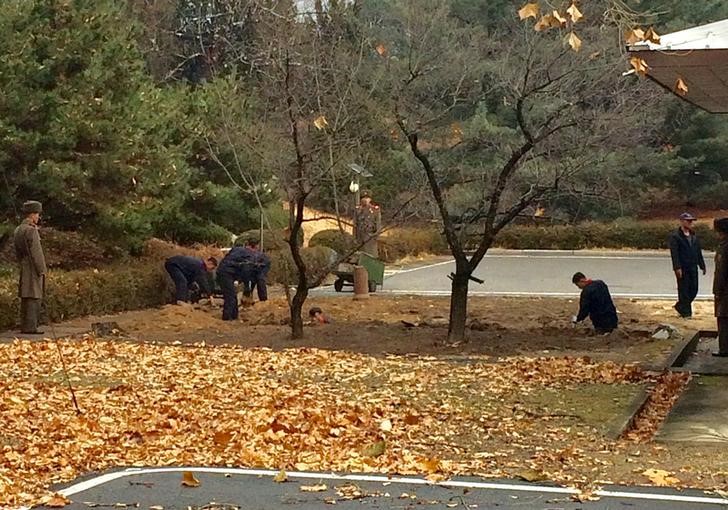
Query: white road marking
{"type": "Point", "coordinates": [108, 477]}
{"type": "Point", "coordinates": [420, 292]}
{"type": "Point", "coordinates": [402, 271]}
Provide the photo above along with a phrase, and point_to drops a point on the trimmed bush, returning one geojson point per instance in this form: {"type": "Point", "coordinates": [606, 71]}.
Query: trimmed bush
{"type": "Point", "coordinates": [616, 235]}
{"type": "Point", "coordinates": [63, 250]}
{"type": "Point", "coordinates": [71, 294]}
{"type": "Point", "coordinates": [283, 271]}
{"type": "Point", "coordinates": [400, 243]}
{"type": "Point", "coordinates": [273, 240]}
{"type": "Point", "coordinates": [340, 242]}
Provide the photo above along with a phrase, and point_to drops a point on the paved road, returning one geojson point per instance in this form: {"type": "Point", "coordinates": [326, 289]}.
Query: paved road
{"type": "Point", "coordinates": [548, 273]}
{"type": "Point", "coordinates": [244, 489]}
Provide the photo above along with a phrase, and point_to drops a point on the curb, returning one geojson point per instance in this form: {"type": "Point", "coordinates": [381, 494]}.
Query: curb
{"type": "Point", "coordinates": [618, 429]}
{"type": "Point", "coordinates": [675, 361]}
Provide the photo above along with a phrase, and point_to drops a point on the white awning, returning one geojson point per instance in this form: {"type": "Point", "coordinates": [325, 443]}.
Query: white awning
{"type": "Point", "coordinates": [698, 56]}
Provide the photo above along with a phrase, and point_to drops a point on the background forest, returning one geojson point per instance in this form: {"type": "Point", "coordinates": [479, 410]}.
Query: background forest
{"type": "Point", "coordinates": [133, 119]}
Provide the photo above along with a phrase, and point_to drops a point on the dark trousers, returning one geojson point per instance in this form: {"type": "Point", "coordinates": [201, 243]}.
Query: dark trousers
{"type": "Point", "coordinates": [723, 335]}
{"type": "Point", "coordinates": [29, 315]}
{"type": "Point", "coordinates": [181, 285]}
{"type": "Point", "coordinates": [687, 289]}
{"type": "Point", "coordinates": [259, 284]}
{"type": "Point", "coordinates": [226, 282]}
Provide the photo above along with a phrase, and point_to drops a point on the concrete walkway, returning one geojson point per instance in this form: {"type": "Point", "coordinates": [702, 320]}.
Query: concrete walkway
{"type": "Point", "coordinates": [701, 413]}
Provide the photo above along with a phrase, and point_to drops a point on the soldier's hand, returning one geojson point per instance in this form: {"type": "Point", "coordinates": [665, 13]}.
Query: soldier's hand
{"type": "Point", "coordinates": [678, 273]}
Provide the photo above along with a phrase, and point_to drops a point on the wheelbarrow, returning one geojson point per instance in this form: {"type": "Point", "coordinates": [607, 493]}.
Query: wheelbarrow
{"type": "Point", "coordinates": [345, 272]}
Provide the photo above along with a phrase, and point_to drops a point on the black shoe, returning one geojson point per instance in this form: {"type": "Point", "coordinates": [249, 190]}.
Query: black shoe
{"type": "Point", "coordinates": [720, 354]}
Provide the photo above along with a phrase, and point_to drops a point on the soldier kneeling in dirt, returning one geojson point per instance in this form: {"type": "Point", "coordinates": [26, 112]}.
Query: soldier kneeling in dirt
{"type": "Point", "coordinates": [186, 271]}
{"type": "Point", "coordinates": [596, 303]}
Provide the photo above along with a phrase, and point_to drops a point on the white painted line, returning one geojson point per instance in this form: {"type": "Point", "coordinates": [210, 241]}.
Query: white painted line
{"type": "Point", "coordinates": [419, 292]}
{"type": "Point", "coordinates": [108, 477]}
{"type": "Point", "coordinates": [402, 271]}
{"type": "Point", "coordinates": [663, 497]}
{"type": "Point", "coordinates": [580, 257]}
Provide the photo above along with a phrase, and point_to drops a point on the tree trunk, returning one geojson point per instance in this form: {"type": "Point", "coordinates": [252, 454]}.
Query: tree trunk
{"type": "Point", "coordinates": [458, 306]}
{"type": "Point", "coordinates": [296, 308]}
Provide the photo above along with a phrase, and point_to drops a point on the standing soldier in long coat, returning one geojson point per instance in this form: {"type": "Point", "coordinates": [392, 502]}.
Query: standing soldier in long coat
{"type": "Point", "coordinates": [720, 286]}
{"type": "Point", "coordinates": [367, 223]}
{"type": "Point", "coordinates": [32, 268]}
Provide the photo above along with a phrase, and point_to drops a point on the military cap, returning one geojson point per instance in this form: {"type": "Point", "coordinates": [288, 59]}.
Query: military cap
{"type": "Point", "coordinates": [366, 194]}
{"type": "Point", "coordinates": [721, 225]}
{"type": "Point", "coordinates": [31, 206]}
{"type": "Point", "coordinates": [687, 216]}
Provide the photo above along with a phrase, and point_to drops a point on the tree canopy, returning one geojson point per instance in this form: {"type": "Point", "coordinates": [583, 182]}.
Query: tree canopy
{"type": "Point", "coordinates": [127, 117]}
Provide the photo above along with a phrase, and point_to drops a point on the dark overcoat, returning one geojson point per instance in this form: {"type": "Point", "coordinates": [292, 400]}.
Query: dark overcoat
{"type": "Point", "coordinates": [720, 280]}
{"type": "Point", "coordinates": [32, 262]}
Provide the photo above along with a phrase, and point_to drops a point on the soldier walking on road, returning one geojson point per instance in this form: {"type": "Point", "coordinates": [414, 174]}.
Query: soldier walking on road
{"type": "Point", "coordinates": [720, 286]}
{"type": "Point", "coordinates": [367, 224]}
{"type": "Point", "coordinates": [687, 256]}
{"type": "Point", "coordinates": [32, 268]}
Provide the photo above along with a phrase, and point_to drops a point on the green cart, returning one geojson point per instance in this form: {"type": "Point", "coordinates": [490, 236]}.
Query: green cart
{"type": "Point", "coordinates": [345, 271]}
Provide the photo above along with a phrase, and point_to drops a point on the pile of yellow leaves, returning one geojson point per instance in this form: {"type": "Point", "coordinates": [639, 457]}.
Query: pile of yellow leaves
{"type": "Point", "coordinates": [302, 409]}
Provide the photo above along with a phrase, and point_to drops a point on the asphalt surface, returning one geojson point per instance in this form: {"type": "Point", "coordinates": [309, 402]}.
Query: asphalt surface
{"type": "Point", "coordinates": [548, 273]}
{"type": "Point", "coordinates": [230, 489]}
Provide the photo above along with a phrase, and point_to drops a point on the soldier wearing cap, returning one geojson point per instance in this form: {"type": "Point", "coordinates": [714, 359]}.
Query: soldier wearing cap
{"type": "Point", "coordinates": [367, 223]}
{"type": "Point", "coordinates": [687, 257]}
{"type": "Point", "coordinates": [32, 267]}
{"type": "Point", "coordinates": [720, 286]}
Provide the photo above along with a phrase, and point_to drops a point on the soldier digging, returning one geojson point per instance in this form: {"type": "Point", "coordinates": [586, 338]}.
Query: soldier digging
{"type": "Point", "coordinates": [367, 223]}
{"type": "Point", "coordinates": [32, 268]}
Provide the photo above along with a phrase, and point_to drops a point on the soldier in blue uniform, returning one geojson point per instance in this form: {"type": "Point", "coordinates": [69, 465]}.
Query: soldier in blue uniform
{"type": "Point", "coordinates": [257, 277]}
{"type": "Point", "coordinates": [687, 257]}
{"type": "Point", "coordinates": [185, 271]}
{"type": "Point", "coordinates": [246, 265]}
{"type": "Point", "coordinates": [596, 303]}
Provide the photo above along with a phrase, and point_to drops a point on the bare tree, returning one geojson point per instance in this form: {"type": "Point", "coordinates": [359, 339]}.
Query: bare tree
{"type": "Point", "coordinates": [312, 114]}
{"type": "Point", "coordinates": [446, 82]}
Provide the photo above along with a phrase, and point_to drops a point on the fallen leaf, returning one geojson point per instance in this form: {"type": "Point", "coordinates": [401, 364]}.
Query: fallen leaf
{"type": "Point", "coordinates": [532, 475]}
{"type": "Point", "coordinates": [386, 426]}
{"type": "Point", "coordinates": [530, 10]}
{"type": "Point", "coordinates": [557, 20]}
{"type": "Point", "coordinates": [545, 23]}
{"type": "Point", "coordinates": [431, 465]}
{"type": "Point", "coordinates": [660, 477]}
{"type": "Point", "coordinates": [321, 487]}
{"type": "Point", "coordinates": [375, 450]}
{"type": "Point", "coordinates": [222, 438]}
{"type": "Point", "coordinates": [189, 480]}
{"type": "Point", "coordinates": [575, 13]}
{"type": "Point", "coordinates": [574, 42]}
{"type": "Point", "coordinates": [681, 88]}
{"type": "Point", "coordinates": [639, 66]}
{"type": "Point", "coordinates": [382, 50]}
{"type": "Point", "coordinates": [634, 36]}
{"type": "Point", "coordinates": [652, 36]}
{"type": "Point", "coordinates": [57, 501]}
{"type": "Point", "coordinates": [320, 122]}
{"type": "Point", "coordinates": [281, 477]}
